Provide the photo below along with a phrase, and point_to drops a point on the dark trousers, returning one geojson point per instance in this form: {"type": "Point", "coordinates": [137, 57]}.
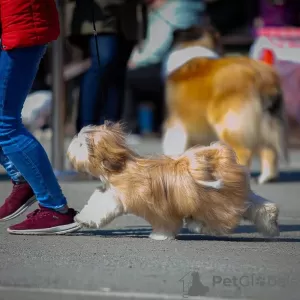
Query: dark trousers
{"type": "Point", "coordinates": [143, 84]}
{"type": "Point", "coordinates": [102, 87]}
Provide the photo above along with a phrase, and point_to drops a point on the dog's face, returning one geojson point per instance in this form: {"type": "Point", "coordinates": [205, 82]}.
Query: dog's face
{"type": "Point", "coordinates": [99, 150]}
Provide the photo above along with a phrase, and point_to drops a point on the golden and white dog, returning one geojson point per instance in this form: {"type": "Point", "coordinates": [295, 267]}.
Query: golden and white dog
{"type": "Point", "coordinates": [236, 100]}
{"type": "Point", "coordinates": [205, 186]}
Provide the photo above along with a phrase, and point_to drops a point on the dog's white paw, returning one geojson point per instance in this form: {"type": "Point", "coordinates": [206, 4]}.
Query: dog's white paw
{"type": "Point", "coordinates": [265, 178]}
{"type": "Point", "coordinates": [85, 221]}
{"type": "Point", "coordinates": [267, 220]}
{"type": "Point", "coordinates": [101, 209]}
{"type": "Point", "coordinates": [162, 236]}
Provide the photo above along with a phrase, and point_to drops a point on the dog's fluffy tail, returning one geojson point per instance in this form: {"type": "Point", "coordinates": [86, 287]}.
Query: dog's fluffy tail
{"type": "Point", "coordinates": [216, 166]}
{"type": "Point", "coordinates": [221, 207]}
{"type": "Point", "coordinates": [274, 125]}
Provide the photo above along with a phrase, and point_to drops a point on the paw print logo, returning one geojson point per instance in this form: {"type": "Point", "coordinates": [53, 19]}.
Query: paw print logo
{"type": "Point", "coordinates": [260, 280]}
{"type": "Point", "coordinates": [194, 286]}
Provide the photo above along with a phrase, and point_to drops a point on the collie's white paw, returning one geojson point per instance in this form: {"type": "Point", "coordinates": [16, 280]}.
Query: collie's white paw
{"type": "Point", "coordinates": [265, 178]}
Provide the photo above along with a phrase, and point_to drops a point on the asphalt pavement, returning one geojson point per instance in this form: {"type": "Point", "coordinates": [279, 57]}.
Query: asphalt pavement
{"type": "Point", "coordinates": [121, 262]}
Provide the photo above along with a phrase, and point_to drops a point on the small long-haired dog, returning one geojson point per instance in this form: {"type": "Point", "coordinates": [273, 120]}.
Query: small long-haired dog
{"type": "Point", "coordinates": [205, 186]}
{"type": "Point", "coordinates": [234, 99]}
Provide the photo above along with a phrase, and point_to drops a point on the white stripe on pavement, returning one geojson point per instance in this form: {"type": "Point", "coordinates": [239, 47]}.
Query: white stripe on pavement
{"type": "Point", "coordinates": [104, 292]}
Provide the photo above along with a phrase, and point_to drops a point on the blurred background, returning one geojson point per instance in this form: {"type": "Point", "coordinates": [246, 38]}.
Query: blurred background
{"type": "Point", "coordinates": [108, 67]}
{"type": "Point", "coordinates": [107, 64]}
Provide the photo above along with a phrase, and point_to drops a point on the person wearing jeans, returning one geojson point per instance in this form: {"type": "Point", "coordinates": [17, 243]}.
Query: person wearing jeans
{"type": "Point", "coordinates": [102, 86]}
{"type": "Point", "coordinates": [27, 28]}
{"type": "Point", "coordinates": [119, 25]}
{"type": "Point", "coordinates": [144, 76]}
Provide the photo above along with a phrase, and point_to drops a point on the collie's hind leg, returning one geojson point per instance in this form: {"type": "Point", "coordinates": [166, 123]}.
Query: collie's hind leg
{"type": "Point", "coordinates": [263, 214]}
{"type": "Point", "coordinates": [175, 138]}
{"type": "Point", "coordinates": [244, 154]}
{"type": "Point", "coordinates": [269, 165]}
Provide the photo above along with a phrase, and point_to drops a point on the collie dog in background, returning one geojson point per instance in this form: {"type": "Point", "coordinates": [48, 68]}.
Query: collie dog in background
{"type": "Point", "coordinates": [237, 100]}
{"type": "Point", "coordinates": [205, 187]}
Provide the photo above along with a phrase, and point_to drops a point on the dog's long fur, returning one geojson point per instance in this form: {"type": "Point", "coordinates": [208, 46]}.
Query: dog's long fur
{"type": "Point", "coordinates": [204, 186]}
{"type": "Point", "coordinates": [234, 99]}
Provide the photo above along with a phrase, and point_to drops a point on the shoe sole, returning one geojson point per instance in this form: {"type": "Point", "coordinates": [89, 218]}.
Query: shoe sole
{"type": "Point", "coordinates": [21, 210]}
{"type": "Point", "coordinates": [58, 230]}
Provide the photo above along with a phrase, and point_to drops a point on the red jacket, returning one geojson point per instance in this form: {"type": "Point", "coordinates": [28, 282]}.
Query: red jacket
{"type": "Point", "coordinates": [27, 23]}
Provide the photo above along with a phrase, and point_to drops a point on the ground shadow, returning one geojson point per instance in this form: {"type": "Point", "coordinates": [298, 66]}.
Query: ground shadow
{"type": "Point", "coordinates": [185, 234]}
{"type": "Point", "coordinates": [109, 233]}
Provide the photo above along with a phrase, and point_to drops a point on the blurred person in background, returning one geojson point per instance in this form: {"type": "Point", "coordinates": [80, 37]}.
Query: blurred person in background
{"type": "Point", "coordinates": [26, 29]}
{"type": "Point", "coordinates": [119, 26]}
{"type": "Point", "coordinates": [144, 77]}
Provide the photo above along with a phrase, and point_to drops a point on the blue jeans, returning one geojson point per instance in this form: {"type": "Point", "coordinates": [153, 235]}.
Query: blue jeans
{"type": "Point", "coordinates": [18, 69]}
{"type": "Point", "coordinates": [102, 86]}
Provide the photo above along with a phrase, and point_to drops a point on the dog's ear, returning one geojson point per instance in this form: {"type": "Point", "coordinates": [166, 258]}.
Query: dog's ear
{"type": "Point", "coordinates": [110, 147]}
{"type": "Point", "coordinates": [115, 160]}
{"type": "Point", "coordinates": [114, 151]}
{"type": "Point", "coordinates": [216, 38]}
{"type": "Point", "coordinates": [113, 166]}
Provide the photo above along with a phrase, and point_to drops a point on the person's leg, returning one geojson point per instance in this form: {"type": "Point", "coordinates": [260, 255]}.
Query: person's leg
{"type": "Point", "coordinates": [17, 71]}
{"type": "Point", "coordinates": [143, 81]}
{"type": "Point", "coordinates": [93, 85]}
{"type": "Point", "coordinates": [131, 103]}
{"type": "Point", "coordinates": [115, 79]}
{"type": "Point", "coordinates": [21, 196]}
{"type": "Point", "coordinates": [10, 169]}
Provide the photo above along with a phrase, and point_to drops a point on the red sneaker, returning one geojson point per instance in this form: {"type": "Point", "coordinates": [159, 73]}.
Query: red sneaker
{"type": "Point", "coordinates": [21, 197]}
{"type": "Point", "coordinates": [46, 221]}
